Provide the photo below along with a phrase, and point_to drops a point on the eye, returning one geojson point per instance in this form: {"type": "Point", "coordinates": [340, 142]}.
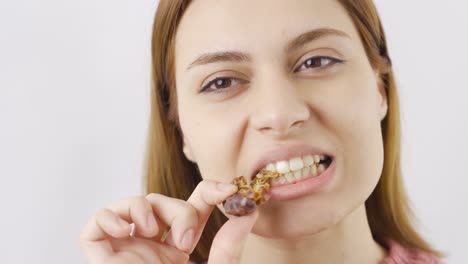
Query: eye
{"type": "Point", "coordinates": [220, 84]}
{"type": "Point", "coordinates": [319, 62]}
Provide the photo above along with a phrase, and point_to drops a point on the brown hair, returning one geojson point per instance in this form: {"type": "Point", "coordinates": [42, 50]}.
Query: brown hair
{"type": "Point", "coordinates": [171, 174]}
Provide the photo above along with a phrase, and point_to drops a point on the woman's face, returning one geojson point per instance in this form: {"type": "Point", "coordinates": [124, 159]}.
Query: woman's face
{"type": "Point", "coordinates": [280, 93]}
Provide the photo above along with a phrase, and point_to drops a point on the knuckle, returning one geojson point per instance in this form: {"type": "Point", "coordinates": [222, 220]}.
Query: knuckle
{"type": "Point", "coordinates": [137, 203]}
{"type": "Point", "coordinates": [137, 199]}
{"type": "Point", "coordinates": [143, 202]}
{"type": "Point", "coordinates": [102, 213]}
{"type": "Point", "coordinates": [205, 184]}
{"type": "Point", "coordinates": [189, 210]}
{"type": "Point", "coordinates": [153, 196]}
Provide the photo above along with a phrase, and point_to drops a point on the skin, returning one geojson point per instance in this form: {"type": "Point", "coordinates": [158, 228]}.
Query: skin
{"type": "Point", "coordinates": [266, 103]}
{"type": "Point", "coordinates": [274, 101]}
{"type": "Point", "coordinates": [108, 238]}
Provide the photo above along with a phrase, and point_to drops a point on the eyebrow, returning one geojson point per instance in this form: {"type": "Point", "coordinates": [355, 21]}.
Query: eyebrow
{"type": "Point", "coordinates": [295, 44]}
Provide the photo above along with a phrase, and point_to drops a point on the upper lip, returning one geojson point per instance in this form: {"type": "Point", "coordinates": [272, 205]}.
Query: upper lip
{"type": "Point", "coordinates": [284, 153]}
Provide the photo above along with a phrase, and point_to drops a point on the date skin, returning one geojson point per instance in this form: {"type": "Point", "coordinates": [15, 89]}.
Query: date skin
{"type": "Point", "coordinates": [249, 196]}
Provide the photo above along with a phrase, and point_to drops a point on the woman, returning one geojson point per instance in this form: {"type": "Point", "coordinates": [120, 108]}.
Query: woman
{"type": "Point", "coordinates": [285, 85]}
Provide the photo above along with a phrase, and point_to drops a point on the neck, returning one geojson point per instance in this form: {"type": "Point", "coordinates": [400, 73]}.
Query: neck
{"type": "Point", "coordinates": [350, 241]}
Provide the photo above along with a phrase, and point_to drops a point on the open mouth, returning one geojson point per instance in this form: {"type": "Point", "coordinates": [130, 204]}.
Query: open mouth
{"type": "Point", "coordinates": [281, 176]}
{"type": "Point", "coordinates": [298, 168]}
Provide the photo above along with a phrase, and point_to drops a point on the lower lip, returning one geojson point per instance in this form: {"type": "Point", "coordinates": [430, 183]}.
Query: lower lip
{"type": "Point", "coordinates": [303, 187]}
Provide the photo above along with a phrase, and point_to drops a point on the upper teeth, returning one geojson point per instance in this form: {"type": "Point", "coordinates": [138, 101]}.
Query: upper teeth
{"type": "Point", "coordinates": [294, 164]}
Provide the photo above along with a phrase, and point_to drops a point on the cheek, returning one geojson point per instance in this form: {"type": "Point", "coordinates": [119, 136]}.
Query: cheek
{"type": "Point", "coordinates": [212, 136]}
{"type": "Point", "coordinates": [353, 114]}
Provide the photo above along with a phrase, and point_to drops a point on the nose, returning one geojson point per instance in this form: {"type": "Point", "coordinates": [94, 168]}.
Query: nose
{"type": "Point", "coordinates": [279, 108]}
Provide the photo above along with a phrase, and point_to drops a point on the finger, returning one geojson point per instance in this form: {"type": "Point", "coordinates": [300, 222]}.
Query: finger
{"type": "Point", "coordinates": [204, 198]}
{"type": "Point", "coordinates": [161, 227]}
{"type": "Point", "coordinates": [179, 215]}
{"type": "Point", "coordinates": [93, 238]}
{"type": "Point", "coordinates": [139, 211]}
{"type": "Point", "coordinates": [150, 251]}
{"type": "Point", "coordinates": [230, 240]}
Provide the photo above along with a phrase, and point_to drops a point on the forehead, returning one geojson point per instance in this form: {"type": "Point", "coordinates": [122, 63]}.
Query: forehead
{"type": "Point", "coordinates": [253, 25]}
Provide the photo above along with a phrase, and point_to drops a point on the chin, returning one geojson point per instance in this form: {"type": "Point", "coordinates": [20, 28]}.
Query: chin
{"type": "Point", "coordinates": [294, 222]}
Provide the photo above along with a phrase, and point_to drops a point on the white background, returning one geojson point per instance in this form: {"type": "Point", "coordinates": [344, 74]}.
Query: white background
{"type": "Point", "coordinates": [74, 87]}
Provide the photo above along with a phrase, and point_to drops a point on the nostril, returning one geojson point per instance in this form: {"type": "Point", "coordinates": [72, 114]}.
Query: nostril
{"type": "Point", "coordinates": [298, 123]}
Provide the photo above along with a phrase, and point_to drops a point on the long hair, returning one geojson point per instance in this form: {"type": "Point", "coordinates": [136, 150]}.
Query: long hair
{"type": "Point", "coordinates": [169, 172]}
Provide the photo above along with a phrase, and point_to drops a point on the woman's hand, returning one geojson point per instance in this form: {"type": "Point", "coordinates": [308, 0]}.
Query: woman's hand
{"type": "Point", "coordinates": [107, 239]}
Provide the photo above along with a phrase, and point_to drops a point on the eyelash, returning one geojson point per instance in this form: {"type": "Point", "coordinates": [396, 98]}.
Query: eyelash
{"type": "Point", "coordinates": [332, 62]}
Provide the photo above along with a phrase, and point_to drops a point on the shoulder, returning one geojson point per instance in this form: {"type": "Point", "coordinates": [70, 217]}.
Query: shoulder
{"type": "Point", "coordinates": [397, 254]}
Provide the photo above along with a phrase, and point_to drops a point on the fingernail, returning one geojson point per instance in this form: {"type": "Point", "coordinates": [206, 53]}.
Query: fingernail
{"type": "Point", "coordinates": [150, 221]}
{"type": "Point", "coordinates": [226, 187]}
{"type": "Point", "coordinates": [187, 239]}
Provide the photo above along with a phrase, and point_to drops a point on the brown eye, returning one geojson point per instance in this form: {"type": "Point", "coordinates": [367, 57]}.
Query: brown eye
{"type": "Point", "coordinates": [319, 62]}
{"type": "Point", "coordinates": [222, 83]}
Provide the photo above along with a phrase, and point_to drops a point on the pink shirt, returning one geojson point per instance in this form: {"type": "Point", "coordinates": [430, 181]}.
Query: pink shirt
{"type": "Point", "coordinates": [398, 254]}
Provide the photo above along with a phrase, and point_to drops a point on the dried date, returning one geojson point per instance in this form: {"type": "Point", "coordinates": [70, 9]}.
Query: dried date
{"type": "Point", "coordinates": [249, 197]}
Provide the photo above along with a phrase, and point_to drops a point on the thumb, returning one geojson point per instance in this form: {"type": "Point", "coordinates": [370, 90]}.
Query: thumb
{"type": "Point", "coordinates": [229, 241]}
